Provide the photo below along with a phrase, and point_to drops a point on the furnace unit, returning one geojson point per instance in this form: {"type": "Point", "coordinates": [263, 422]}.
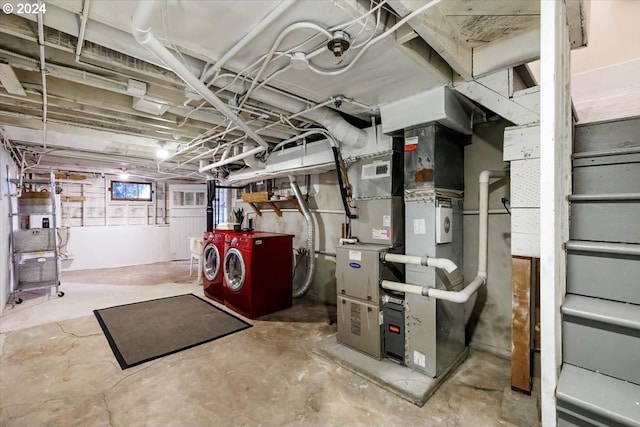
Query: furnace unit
{"type": "Point", "coordinates": [408, 202]}
{"type": "Point", "coordinates": [377, 193]}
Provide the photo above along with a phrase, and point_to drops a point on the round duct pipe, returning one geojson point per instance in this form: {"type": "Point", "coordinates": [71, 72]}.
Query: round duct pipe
{"type": "Point", "coordinates": [311, 229]}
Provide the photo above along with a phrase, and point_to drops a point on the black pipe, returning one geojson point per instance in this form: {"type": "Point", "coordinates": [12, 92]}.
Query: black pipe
{"type": "Point", "coordinates": [343, 190]}
{"type": "Point", "coordinates": [211, 191]}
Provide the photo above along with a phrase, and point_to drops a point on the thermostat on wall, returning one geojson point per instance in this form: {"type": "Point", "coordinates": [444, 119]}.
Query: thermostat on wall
{"type": "Point", "coordinates": [444, 228]}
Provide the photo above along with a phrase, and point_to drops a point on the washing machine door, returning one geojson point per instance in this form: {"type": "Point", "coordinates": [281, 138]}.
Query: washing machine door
{"type": "Point", "coordinates": [212, 262]}
{"type": "Point", "coordinates": [235, 271]}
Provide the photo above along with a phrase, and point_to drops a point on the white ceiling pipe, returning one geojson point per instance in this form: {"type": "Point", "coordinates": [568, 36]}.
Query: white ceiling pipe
{"type": "Point", "coordinates": [267, 95]}
{"type": "Point", "coordinates": [339, 127]}
{"type": "Point", "coordinates": [390, 31]}
{"type": "Point", "coordinates": [83, 28]}
{"type": "Point", "coordinates": [268, 20]}
{"type": "Point", "coordinates": [226, 161]}
{"type": "Point", "coordinates": [342, 130]}
{"type": "Point", "coordinates": [141, 30]}
{"type": "Point", "coordinates": [281, 36]}
{"type": "Point", "coordinates": [251, 161]}
{"type": "Point", "coordinates": [43, 72]}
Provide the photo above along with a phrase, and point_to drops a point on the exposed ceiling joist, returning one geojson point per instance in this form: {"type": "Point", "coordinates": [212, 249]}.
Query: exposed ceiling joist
{"type": "Point", "coordinates": [10, 81]}
{"type": "Point", "coordinates": [438, 32]}
{"type": "Point", "coordinates": [497, 102]}
{"type": "Point", "coordinates": [516, 49]}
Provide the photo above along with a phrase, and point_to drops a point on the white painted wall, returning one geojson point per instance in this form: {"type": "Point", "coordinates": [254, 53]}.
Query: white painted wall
{"type": "Point", "coordinates": [604, 75]}
{"type": "Point", "coordinates": [324, 197]}
{"type": "Point", "coordinates": [118, 246]}
{"type": "Point", "coordinates": [490, 325]}
{"type": "Point", "coordinates": [105, 233]}
{"type": "Point", "coordinates": [5, 224]}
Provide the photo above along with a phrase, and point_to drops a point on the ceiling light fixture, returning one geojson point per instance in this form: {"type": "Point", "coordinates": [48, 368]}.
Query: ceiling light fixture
{"type": "Point", "coordinates": [162, 152]}
{"type": "Point", "coordinates": [339, 43]}
{"type": "Point", "coordinates": [124, 175]}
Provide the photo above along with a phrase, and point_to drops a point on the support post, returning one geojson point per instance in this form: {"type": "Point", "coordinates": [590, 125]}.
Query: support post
{"type": "Point", "coordinates": [555, 185]}
{"type": "Point", "coordinates": [521, 355]}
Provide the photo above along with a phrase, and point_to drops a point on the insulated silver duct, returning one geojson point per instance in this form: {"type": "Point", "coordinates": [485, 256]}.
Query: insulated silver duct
{"type": "Point", "coordinates": [311, 231]}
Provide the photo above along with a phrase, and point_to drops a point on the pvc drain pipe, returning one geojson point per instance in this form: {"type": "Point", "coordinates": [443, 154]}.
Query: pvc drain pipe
{"type": "Point", "coordinates": [481, 276]}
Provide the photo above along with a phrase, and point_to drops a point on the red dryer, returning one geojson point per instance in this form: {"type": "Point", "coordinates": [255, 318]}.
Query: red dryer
{"type": "Point", "coordinates": [212, 258]}
{"type": "Point", "coordinates": [258, 272]}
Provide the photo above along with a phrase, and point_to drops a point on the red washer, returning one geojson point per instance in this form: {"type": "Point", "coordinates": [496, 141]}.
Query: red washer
{"type": "Point", "coordinates": [212, 258]}
{"type": "Point", "coordinates": [258, 273]}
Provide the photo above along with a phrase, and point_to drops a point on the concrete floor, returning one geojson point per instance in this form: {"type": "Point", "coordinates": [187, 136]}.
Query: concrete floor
{"type": "Point", "coordinates": [56, 369]}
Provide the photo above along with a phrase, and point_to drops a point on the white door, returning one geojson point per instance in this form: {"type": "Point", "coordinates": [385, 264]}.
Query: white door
{"type": "Point", "coordinates": [187, 216]}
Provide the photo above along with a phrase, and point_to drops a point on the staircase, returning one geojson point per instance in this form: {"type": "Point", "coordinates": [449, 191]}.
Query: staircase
{"type": "Point", "coordinates": [599, 383]}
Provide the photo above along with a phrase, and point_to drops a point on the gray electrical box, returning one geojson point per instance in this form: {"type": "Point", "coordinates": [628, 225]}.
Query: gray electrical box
{"type": "Point", "coordinates": [360, 326]}
{"type": "Point", "coordinates": [379, 176]}
{"type": "Point", "coordinates": [380, 221]}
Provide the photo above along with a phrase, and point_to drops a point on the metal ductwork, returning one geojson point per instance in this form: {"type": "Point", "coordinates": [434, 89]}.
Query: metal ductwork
{"type": "Point", "coordinates": [438, 105]}
{"type": "Point", "coordinates": [342, 130]}
{"type": "Point", "coordinates": [311, 230]}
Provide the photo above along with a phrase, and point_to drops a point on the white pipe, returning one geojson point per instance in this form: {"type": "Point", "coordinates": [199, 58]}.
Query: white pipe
{"type": "Point", "coordinates": [491, 212]}
{"type": "Point", "coordinates": [43, 72]}
{"type": "Point", "coordinates": [391, 30]}
{"type": "Point", "coordinates": [281, 36]}
{"type": "Point", "coordinates": [403, 287]}
{"type": "Point", "coordinates": [440, 263]}
{"type": "Point", "coordinates": [141, 30]}
{"type": "Point", "coordinates": [347, 241]}
{"type": "Point", "coordinates": [83, 27]}
{"type": "Point", "coordinates": [339, 128]}
{"type": "Point", "coordinates": [268, 20]}
{"type": "Point", "coordinates": [226, 161]}
{"type": "Point", "coordinates": [251, 161]}
{"type": "Point", "coordinates": [481, 276]}
{"type": "Point", "coordinates": [483, 220]}
{"type": "Point", "coordinates": [458, 297]}
{"type": "Point", "coordinates": [346, 133]}
{"type": "Point", "coordinates": [403, 259]}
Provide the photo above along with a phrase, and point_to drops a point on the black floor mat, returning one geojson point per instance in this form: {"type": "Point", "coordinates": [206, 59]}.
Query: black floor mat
{"type": "Point", "coordinates": [147, 330]}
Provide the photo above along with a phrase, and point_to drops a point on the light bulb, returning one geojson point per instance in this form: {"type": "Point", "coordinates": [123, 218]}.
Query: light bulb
{"type": "Point", "coordinates": [162, 153]}
{"type": "Point", "coordinates": [124, 176]}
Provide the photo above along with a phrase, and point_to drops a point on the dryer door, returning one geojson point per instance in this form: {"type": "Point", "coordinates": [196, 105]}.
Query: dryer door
{"type": "Point", "coordinates": [235, 271]}
{"type": "Point", "coordinates": [212, 262]}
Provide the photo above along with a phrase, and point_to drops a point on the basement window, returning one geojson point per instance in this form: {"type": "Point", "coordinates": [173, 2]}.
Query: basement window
{"type": "Point", "coordinates": [131, 191]}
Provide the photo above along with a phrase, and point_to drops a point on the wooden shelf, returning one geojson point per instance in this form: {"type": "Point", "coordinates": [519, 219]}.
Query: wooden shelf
{"type": "Point", "coordinates": [276, 205]}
